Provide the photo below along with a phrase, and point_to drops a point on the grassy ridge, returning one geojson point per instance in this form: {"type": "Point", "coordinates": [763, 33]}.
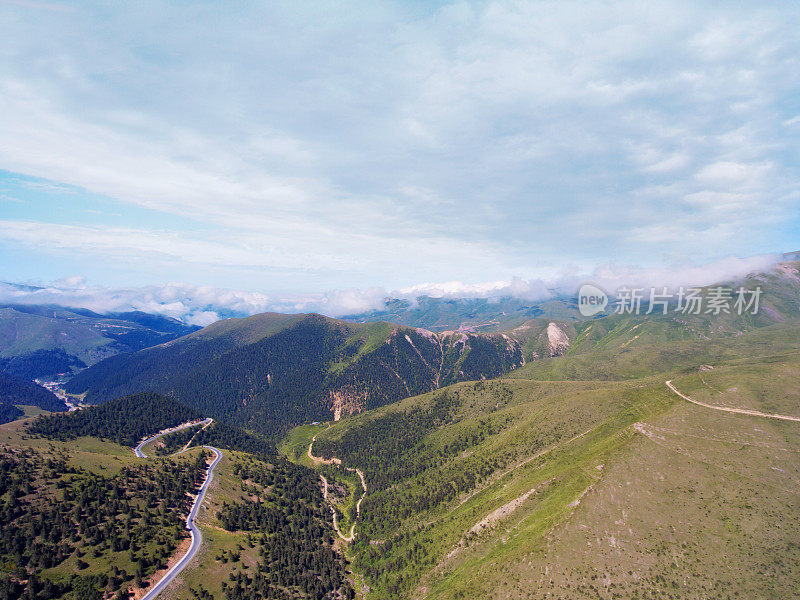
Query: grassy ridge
{"type": "Point", "coordinates": [482, 488]}
{"type": "Point", "coordinates": [452, 475]}
{"type": "Point", "coordinates": [642, 358]}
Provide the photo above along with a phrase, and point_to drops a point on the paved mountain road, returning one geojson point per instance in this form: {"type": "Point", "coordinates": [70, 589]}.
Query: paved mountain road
{"type": "Point", "coordinates": [197, 537]}
{"type": "Point", "coordinates": [140, 453]}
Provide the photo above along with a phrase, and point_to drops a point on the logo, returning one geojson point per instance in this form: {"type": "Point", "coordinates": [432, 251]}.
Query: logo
{"type": "Point", "coordinates": [591, 300]}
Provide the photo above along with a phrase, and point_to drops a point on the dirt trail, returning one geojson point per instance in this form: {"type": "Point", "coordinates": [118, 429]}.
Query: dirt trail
{"type": "Point", "coordinates": [741, 411]}
{"type": "Point", "coordinates": [335, 461]}
{"type": "Point", "coordinates": [318, 459]}
{"type": "Point", "coordinates": [346, 538]}
{"type": "Point", "coordinates": [189, 443]}
{"type": "Point", "coordinates": [324, 487]}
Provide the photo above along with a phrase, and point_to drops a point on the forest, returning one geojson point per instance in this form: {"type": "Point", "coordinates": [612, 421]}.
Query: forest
{"type": "Point", "coordinates": [139, 513]}
{"type": "Point", "coordinates": [219, 435]}
{"type": "Point", "coordinates": [293, 375]}
{"type": "Point", "coordinates": [15, 391]}
{"type": "Point", "coordinates": [290, 522]}
{"type": "Point", "coordinates": [41, 364]}
{"type": "Point", "coordinates": [377, 446]}
{"type": "Point", "coordinates": [125, 420]}
{"type": "Point", "coordinates": [58, 518]}
{"type": "Point", "coordinates": [395, 453]}
{"type": "Point", "coordinates": [9, 412]}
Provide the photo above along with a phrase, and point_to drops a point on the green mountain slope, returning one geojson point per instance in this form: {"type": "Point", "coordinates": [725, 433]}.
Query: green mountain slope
{"type": "Point", "coordinates": [526, 488]}
{"type": "Point", "coordinates": [44, 341]}
{"type": "Point", "coordinates": [272, 371]}
{"type": "Point", "coordinates": [581, 474]}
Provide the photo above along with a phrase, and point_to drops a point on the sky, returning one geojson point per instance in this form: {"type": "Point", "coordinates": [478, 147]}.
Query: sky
{"type": "Point", "coordinates": [346, 149]}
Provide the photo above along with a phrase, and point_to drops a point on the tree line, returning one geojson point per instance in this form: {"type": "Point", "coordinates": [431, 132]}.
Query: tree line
{"type": "Point", "coordinates": [124, 420]}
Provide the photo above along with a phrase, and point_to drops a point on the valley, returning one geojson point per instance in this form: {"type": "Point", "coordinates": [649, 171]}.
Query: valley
{"type": "Point", "coordinates": [46, 341]}
{"type": "Point", "coordinates": [453, 300]}
{"type": "Point", "coordinates": [624, 457]}
{"type": "Point", "coordinates": [356, 511]}
{"type": "Point", "coordinates": [606, 490]}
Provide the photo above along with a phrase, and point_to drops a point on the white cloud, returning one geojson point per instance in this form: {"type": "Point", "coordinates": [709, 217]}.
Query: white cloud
{"type": "Point", "coordinates": [202, 318]}
{"type": "Point", "coordinates": [196, 305]}
{"type": "Point", "coordinates": [73, 283]}
{"type": "Point", "coordinates": [668, 164]}
{"type": "Point", "coordinates": [685, 273]}
{"type": "Point", "coordinates": [202, 305]}
{"type": "Point", "coordinates": [288, 249]}
{"type": "Point", "coordinates": [349, 302]}
{"type": "Point", "coordinates": [516, 288]}
{"type": "Point", "coordinates": [730, 175]}
{"type": "Point", "coordinates": [393, 143]}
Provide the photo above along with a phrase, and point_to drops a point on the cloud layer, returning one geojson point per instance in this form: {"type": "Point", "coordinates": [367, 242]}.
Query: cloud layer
{"type": "Point", "coordinates": [202, 305]}
{"type": "Point", "coordinates": [318, 145]}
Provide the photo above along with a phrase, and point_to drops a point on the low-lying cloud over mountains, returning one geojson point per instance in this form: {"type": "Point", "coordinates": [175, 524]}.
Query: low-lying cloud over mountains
{"type": "Point", "coordinates": [202, 305]}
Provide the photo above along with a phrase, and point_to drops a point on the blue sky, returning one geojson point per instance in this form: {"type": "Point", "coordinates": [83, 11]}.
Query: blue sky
{"type": "Point", "coordinates": [303, 147]}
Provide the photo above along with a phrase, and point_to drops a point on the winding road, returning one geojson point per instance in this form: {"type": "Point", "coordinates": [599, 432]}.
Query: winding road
{"type": "Point", "coordinates": [197, 537]}
{"type": "Point", "coordinates": [741, 411]}
{"type": "Point", "coordinates": [140, 453]}
{"type": "Point", "coordinates": [335, 461]}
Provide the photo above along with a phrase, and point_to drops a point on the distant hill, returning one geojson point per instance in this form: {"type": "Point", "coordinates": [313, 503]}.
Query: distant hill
{"type": "Point", "coordinates": [470, 314]}
{"type": "Point", "coordinates": [490, 314]}
{"type": "Point", "coordinates": [271, 371]}
{"type": "Point", "coordinates": [40, 342]}
{"type": "Point", "coordinates": [653, 343]}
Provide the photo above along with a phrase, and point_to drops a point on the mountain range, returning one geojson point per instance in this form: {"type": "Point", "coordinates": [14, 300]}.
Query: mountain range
{"type": "Point", "coordinates": [625, 456]}
{"type": "Point", "coordinates": [272, 371]}
{"type": "Point", "coordinates": [45, 341]}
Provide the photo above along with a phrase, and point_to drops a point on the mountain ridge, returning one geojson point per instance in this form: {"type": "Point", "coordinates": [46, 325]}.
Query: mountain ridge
{"type": "Point", "coordinates": [44, 341]}
{"type": "Point", "coordinates": [272, 371]}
